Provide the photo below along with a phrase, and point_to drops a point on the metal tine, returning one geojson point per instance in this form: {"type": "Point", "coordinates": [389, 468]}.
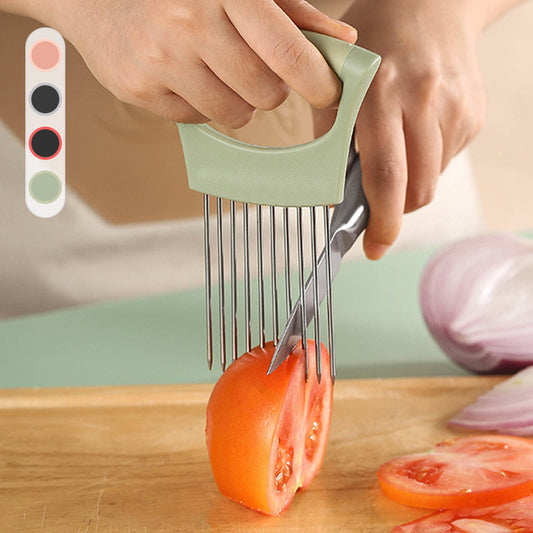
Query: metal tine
{"type": "Point", "coordinates": [273, 265]}
{"type": "Point", "coordinates": [302, 289]}
{"type": "Point", "coordinates": [247, 299]}
{"type": "Point", "coordinates": [316, 300]}
{"type": "Point", "coordinates": [207, 271]}
{"type": "Point", "coordinates": [221, 296]}
{"type": "Point", "coordinates": [233, 281]}
{"type": "Point", "coordinates": [260, 276]}
{"type": "Point", "coordinates": [286, 243]}
{"type": "Point", "coordinates": [329, 293]}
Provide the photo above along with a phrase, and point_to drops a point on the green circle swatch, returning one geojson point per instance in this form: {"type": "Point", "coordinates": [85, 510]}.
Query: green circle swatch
{"type": "Point", "coordinates": [45, 187]}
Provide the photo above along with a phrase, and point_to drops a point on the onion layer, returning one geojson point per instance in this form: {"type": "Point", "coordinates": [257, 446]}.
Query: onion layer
{"type": "Point", "coordinates": [507, 408]}
{"type": "Point", "coordinates": [476, 297]}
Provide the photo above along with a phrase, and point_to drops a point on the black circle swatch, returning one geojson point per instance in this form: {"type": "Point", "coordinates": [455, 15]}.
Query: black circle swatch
{"type": "Point", "coordinates": [45, 99]}
{"type": "Point", "coordinates": [45, 143]}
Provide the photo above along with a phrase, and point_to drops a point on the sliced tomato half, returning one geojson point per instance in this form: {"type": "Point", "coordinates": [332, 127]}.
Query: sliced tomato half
{"type": "Point", "coordinates": [474, 471]}
{"type": "Point", "coordinates": [267, 435]}
{"type": "Point", "coordinates": [513, 517]}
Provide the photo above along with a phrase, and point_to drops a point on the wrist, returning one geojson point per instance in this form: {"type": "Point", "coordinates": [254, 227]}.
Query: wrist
{"type": "Point", "coordinates": [24, 8]}
{"type": "Point", "coordinates": [473, 16]}
{"type": "Point", "coordinates": [46, 12]}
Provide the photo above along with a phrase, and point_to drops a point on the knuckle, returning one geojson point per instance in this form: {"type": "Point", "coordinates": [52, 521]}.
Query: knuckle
{"type": "Point", "coordinates": [274, 97]}
{"type": "Point", "coordinates": [184, 114]}
{"type": "Point", "coordinates": [388, 238]}
{"type": "Point", "coordinates": [467, 114]}
{"type": "Point", "coordinates": [386, 234]}
{"type": "Point", "coordinates": [426, 86]}
{"type": "Point", "coordinates": [290, 54]}
{"type": "Point", "coordinates": [327, 98]}
{"type": "Point", "coordinates": [133, 87]}
{"type": "Point", "coordinates": [184, 15]}
{"type": "Point", "coordinates": [429, 79]}
{"type": "Point", "coordinates": [386, 76]}
{"type": "Point", "coordinates": [171, 106]}
{"type": "Point", "coordinates": [418, 198]}
{"type": "Point", "coordinates": [386, 172]}
{"type": "Point", "coordinates": [460, 108]}
{"type": "Point", "coordinates": [240, 119]}
{"type": "Point", "coordinates": [155, 50]}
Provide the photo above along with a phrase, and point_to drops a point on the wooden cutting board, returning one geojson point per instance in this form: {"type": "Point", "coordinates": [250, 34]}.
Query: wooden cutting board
{"type": "Point", "coordinates": [133, 459]}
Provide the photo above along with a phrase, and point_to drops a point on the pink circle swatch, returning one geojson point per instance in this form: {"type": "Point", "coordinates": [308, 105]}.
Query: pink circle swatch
{"type": "Point", "coordinates": [45, 55]}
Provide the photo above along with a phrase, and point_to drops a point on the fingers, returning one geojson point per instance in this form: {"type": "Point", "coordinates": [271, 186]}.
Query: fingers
{"type": "Point", "coordinates": [382, 150]}
{"type": "Point", "coordinates": [196, 60]}
{"type": "Point", "coordinates": [461, 116]}
{"type": "Point", "coordinates": [308, 17]}
{"type": "Point", "coordinates": [237, 78]}
{"type": "Point", "coordinates": [175, 108]}
{"type": "Point", "coordinates": [156, 97]}
{"type": "Point", "coordinates": [276, 39]}
{"type": "Point", "coordinates": [407, 134]}
{"type": "Point", "coordinates": [231, 59]}
{"type": "Point", "coordinates": [423, 140]}
{"type": "Point", "coordinates": [216, 100]}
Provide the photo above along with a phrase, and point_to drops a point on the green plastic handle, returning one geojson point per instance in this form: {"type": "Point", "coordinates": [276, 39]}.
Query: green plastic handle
{"type": "Point", "coordinates": [307, 174]}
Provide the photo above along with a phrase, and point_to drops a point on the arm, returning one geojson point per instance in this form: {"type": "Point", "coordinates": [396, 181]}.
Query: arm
{"type": "Point", "coordinates": [197, 60]}
{"type": "Point", "coordinates": [425, 105]}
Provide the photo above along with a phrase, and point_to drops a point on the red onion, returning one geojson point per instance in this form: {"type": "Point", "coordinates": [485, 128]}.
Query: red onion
{"type": "Point", "coordinates": [477, 300]}
{"type": "Point", "coordinates": [507, 408]}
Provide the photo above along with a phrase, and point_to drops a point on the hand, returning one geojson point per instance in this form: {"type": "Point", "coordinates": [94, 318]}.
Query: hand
{"type": "Point", "coordinates": [200, 60]}
{"type": "Point", "coordinates": [424, 106]}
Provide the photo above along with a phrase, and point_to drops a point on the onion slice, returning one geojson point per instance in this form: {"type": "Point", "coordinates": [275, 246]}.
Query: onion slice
{"type": "Point", "coordinates": [507, 408]}
{"type": "Point", "coordinates": [476, 297]}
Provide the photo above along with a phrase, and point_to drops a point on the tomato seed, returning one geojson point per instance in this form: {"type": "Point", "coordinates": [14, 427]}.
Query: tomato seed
{"type": "Point", "coordinates": [311, 440]}
{"type": "Point", "coordinates": [283, 470]}
{"type": "Point", "coordinates": [420, 471]}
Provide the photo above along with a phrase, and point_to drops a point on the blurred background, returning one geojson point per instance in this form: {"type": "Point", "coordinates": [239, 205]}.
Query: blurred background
{"type": "Point", "coordinates": [143, 281]}
{"type": "Point", "coordinates": [502, 153]}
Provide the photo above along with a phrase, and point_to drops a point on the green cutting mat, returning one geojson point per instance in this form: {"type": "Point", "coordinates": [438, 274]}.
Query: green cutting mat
{"type": "Point", "coordinates": [161, 339]}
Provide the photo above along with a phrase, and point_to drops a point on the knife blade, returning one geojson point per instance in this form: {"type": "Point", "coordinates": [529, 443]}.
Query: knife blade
{"type": "Point", "coordinates": [349, 219]}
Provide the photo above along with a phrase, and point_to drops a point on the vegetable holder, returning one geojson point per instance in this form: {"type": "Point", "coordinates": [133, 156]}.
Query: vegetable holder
{"type": "Point", "coordinates": [293, 177]}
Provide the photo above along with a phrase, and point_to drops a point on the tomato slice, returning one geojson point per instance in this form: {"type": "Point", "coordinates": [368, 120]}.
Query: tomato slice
{"type": "Point", "coordinates": [513, 517]}
{"type": "Point", "coordinates": [267, 435]}
{"type": "Point", "coordinates": [474, 471]}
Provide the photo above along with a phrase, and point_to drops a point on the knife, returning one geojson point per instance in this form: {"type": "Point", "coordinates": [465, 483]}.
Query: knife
{"type": "Point", "coordinates": [349, 219]}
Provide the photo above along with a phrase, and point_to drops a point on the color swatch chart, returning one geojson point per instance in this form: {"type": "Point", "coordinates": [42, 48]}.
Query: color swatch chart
{"type": "Point", "coordinates": [45, 122]}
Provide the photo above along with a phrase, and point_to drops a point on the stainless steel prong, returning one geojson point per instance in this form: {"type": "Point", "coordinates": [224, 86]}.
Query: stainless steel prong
{"type": "Point", "coordinates": [221, 295]}
{"type": "Point", "coordinates": [329, 293]}
{"type": "Point", "coordinates": [302, 289]}
{"type": "Point", "coordinates": [247, 297]}
{"type": "Point", "coordinates": [316, 300]}
{"type": "Point", "coordinates": [286, 245]}
{"type": "Point", "coordinates": [233, 282]}
{"type": "Point", "coordinates": [273, 268]}
{"type": "Point", "coordinates": [260, 276]}
{"type": "Point", "coordinates": [208, 302]}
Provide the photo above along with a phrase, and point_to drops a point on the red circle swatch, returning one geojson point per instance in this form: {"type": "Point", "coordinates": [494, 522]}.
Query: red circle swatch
{"type": "Point", "coordinates": [45, 55]}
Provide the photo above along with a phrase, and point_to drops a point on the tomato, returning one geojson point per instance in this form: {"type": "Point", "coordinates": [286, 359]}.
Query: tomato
{"type": "Point", "coordinates": [513, 517]}
{"type": "Point", "coordinates": [266, 435]}
{"type": "Point", "coordinates": [474, 471]}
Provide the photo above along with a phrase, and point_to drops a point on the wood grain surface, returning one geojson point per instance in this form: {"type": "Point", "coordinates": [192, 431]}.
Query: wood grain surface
{"type": "Point", "coordinates": [133, 459]}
